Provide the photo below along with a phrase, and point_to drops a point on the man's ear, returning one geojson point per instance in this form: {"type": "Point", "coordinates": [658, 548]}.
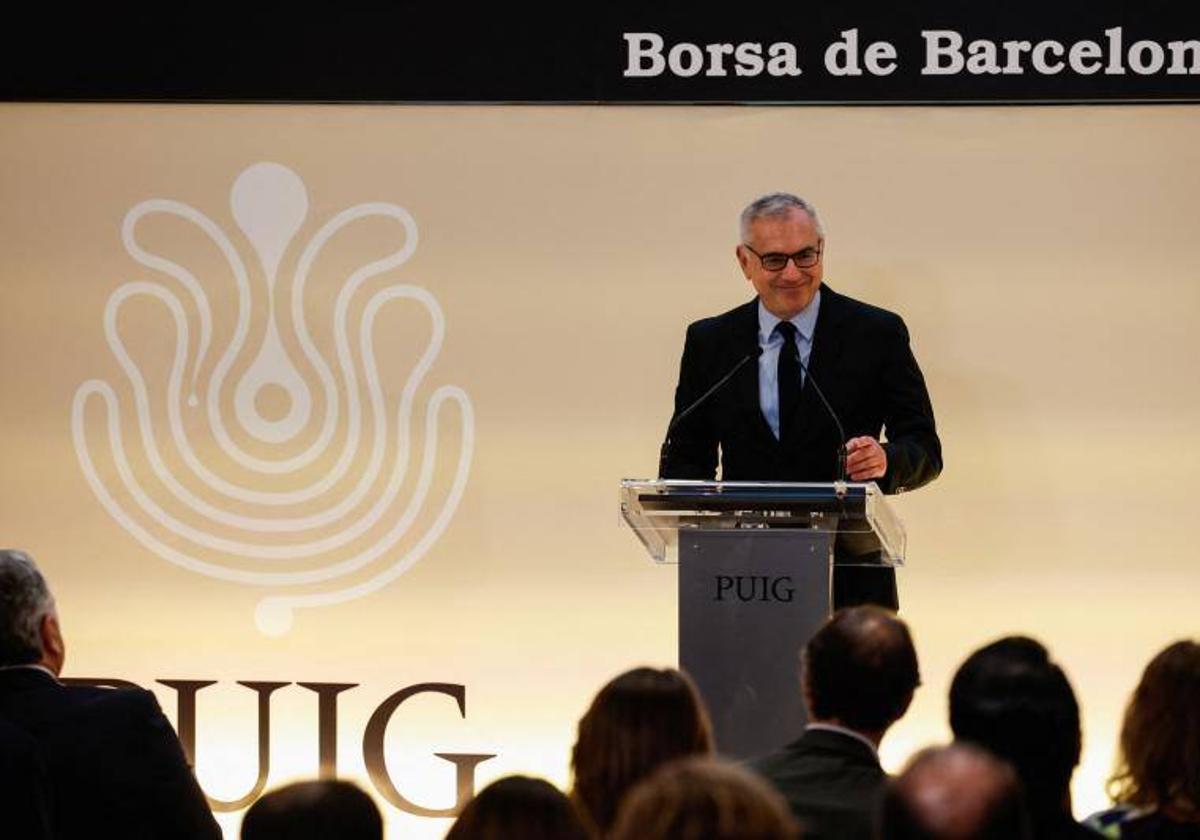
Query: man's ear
{"type": "Point", "coordinates": [805, 693]}
{"type": "Point", "coordinates": [54, 651]}
{"type": "Point", "coordinates": [743, 260]}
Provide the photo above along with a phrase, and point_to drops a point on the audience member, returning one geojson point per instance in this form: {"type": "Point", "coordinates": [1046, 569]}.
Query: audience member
{"type": "Point", "coordinates": [1010, 699]}
{"type": "Point", "coordinates": [25, 794]}
{"type": "Point", "coordinates": [518, 806]}
{"type": "Point", "coordinates": [1157, 783]}
{"type": "Point", "coordinates": [77, 760]}
{"type": "Point", "coordinates": [315, 810]}
{"type": "Point", "coordinates": [858, 675]}
{"type": "Point", "coordinates": [639, 721]}
{"type": "Point", "coordinates": [959, 792]}
{"type": "Point", "coordinates": [113, 761]}
{"type": "Point", "coordinates": [703, 799]}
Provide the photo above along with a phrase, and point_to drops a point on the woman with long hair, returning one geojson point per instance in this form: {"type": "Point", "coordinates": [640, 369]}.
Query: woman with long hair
{"type": "Point", "coordinates": [641, 720]}
{"type": "Point", "coordinates": [1157, 783]}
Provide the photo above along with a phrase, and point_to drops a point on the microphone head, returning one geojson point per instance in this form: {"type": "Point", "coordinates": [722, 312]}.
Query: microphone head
{"type": "Point", "coordinates": [757, 351]}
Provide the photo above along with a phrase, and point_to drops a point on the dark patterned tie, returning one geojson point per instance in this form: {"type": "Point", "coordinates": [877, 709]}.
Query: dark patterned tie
{"type": "Point", "coordinates": [788, 378]}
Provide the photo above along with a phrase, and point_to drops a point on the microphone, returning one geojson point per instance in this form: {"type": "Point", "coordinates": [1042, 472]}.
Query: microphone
{"type": "Point", "coordinates": [703, 398]}
{"type": "Point", "coordinates": [841, 452]}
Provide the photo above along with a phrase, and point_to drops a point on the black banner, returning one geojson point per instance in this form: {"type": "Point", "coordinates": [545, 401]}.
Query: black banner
{"type": "Point", "coordinates": [914, 52]}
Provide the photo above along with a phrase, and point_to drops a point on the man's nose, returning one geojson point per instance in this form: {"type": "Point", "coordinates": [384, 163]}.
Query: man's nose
{"type": "Point", "coordinates": [791, 272]}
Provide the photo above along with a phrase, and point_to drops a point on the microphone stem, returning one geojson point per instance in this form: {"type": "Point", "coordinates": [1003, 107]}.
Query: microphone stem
{"type": "Point", "coordinates": [841, 450]}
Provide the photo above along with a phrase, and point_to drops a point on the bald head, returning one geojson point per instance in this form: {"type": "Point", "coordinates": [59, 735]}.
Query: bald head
{"type": "Point", "coordinates": [958, 792]}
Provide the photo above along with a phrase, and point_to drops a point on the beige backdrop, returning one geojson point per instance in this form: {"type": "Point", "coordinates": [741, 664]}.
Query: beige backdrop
{"type": "Point", "coordinates": [1045, 260]}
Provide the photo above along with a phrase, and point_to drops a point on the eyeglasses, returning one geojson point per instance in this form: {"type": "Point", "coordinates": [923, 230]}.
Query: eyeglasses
{"type": "Point", "coordinates": [805, 258]}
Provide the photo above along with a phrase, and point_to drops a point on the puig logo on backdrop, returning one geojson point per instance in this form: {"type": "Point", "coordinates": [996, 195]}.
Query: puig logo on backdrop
{"type": "Point", "coordinates": [276, 550]}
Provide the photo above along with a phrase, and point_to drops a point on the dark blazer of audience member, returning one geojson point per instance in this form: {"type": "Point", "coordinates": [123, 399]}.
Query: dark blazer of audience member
{"type": "Point", "coordinates": [638, 722]}
{"type": "Point", "coordinates": [959, 792]}
{"type": "Point", "coordinates": [703, 798]}
{"type": "Point", "coordinates": [518, 806]}
{"type": "Point", "coordinates": [858, 675]}
{"type": "Point", "coordinates": [1010, 699]}
{"type": "Point", "coordinates": [1157, 783]}
{"type": "Point", "coordinates": [25, 797]}
{"type": "Point", "coordinates": [113, 761]}
{"type": "Point", "coordinates": [314, 810]}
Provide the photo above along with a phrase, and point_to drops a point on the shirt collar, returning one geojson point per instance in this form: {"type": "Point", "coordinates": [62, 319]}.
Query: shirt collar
{"type": "Point", "coordinates": [841, 730]}
{"type": "Point", "coordinates": [805, 321]}
{"type": "Point", "coordinates": [41, 668]}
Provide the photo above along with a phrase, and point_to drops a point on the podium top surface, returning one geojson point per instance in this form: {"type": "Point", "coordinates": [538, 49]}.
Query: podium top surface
{"type": "Point", "coordinates": [867, 529]}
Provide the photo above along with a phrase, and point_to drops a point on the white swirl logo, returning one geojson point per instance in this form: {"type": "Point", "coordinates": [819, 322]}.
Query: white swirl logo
{"type": "Point", "coordinates": [269, 204]}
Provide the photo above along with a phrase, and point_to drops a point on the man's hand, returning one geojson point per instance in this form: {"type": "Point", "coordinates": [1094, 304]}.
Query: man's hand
{"type": "Point", "coordinates": [865, 459]}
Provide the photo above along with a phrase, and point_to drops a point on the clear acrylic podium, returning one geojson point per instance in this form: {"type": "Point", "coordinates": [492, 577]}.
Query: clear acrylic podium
{"type": "Point", "coordinates": [755, 582]}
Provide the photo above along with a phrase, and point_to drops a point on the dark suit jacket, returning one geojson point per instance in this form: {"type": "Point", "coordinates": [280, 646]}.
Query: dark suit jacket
{"type": "Point", "coordinates": [24, 786]}
{"type": "Point", "coordinates": [863, 363]}
{"type": "Point", "coordinates": [114, 762]}
{"type": "Point", "coordinates": [832, 782]}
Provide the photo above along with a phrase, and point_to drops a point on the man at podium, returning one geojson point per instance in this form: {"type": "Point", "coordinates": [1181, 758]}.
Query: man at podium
{"type": "Point", "coordinates": [802, 383]}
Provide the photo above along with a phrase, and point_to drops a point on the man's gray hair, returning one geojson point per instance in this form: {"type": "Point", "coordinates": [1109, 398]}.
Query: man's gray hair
{"type": "Point", "coordinates": [776, 204]}
{"type": "Point", "coordinates": [24, 601]}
